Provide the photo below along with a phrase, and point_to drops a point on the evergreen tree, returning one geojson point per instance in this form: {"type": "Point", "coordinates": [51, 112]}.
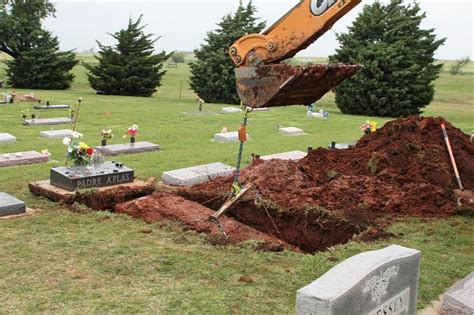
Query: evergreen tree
{"type": "Point", "coordinates": [398, 62]}
{"type": "Point", "coordinates": [37, 62]}
{"type": "Point", "coordinates": [42, 65]}
{"type": "Point", "coordinates": [212, 74]}
{"type": "Point", "coordinates": [129, 68]}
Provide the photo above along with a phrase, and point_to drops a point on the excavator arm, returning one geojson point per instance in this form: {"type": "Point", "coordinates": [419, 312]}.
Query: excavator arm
{"type": "Point", "coordinates": [264, 82]}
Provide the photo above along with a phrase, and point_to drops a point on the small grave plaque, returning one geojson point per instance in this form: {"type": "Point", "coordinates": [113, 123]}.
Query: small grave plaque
{"type": "Point", "coordinates": [52, 134]}
{"type": "Point", "coordinates": [6, 138]}
{"type": "Point", "coordinates": [106, 174]}
{"type": "Point", "coordinates": [22, 158]}
{"type": "Point", "coordinates": [230, 110]}
{"type": "Point", "coordinates": [226, 137]}
{"type": "Point", "coordinates": [196, 174]}
{"type": "Point", "coordinates": [51, 107]}
{"type": "Point", "coordinates": [377, 282]}
{"type": "Point", "coordinates": [48, 121]}
{"type": "Point", "coordinates": [291, 131]}
{"type": "Point", "coordinates": [128, 148]}
{"type": "Point", "coordinates": [9, 205]}
{"type": "Point", "coordinates": [292, 155]}
{"type": "Point", "coordinates": [341, 146]}
{"type": "Point", "coordinates": [459, 300]}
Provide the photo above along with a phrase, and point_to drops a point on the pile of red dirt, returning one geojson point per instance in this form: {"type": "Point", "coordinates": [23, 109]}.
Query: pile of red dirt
{"type": "Point", "coordinates": [163, 206]}
{"type": "Point", "coordinates": [401, 169]}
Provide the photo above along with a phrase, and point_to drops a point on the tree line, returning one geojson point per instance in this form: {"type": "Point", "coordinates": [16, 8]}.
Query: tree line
{"type": "Point", "coordinates": [397, 55]}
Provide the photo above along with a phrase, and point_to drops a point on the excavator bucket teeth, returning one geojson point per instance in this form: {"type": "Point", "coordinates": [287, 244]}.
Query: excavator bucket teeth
{"type": "Point", "coordinates": [282, 84]}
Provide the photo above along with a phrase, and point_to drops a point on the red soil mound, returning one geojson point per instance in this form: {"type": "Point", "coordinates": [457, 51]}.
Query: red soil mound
{"type": "Point", "coordinates": [162, 206]}
{"type": "Point", "coordinates": [401, 169]}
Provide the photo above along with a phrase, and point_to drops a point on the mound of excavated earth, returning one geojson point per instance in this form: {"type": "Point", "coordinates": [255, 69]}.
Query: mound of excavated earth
{"type": "Point", "coordinates": [162, 206]}
{"type": "Point", "coordinates": [323, 199]}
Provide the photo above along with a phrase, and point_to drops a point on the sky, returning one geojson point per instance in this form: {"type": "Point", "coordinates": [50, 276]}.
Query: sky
{"type": "Point", "coordinates": [183, 24]}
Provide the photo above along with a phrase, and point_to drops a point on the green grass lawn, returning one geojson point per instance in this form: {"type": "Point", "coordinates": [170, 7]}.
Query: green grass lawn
{"type": "Point", "coordinates": [96, 262]}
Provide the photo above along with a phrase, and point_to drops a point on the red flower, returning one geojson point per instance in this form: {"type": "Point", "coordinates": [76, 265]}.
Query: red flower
{"type": "Point", "coordinates": [90, 151]}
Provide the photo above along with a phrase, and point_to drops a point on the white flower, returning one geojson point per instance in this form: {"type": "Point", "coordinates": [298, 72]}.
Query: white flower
{"type": "Point", "coordinates": [67, 141]}
{"type": "Point", "coordinates": [76, 135]}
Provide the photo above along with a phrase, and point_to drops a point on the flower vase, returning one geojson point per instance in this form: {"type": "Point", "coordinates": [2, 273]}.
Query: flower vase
{"type": "Point", "coordinates": [132, 141]}
{"type": "Point", "coordinates": [104, 142]}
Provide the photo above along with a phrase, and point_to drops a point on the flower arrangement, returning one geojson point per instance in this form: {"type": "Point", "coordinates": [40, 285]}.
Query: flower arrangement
{"type": "Point", "coordinates": [79, 152]}
{"type": "Point", "coordinates": [25, 113]}
{"type": "Point", "coordinates": [72, 112]}
{"type": "Point", "coordinates": [132, 133]}
{"type": "Point", "coordinates": [106, 134]}
{"type": "Point", "coordinates": [368, 127]}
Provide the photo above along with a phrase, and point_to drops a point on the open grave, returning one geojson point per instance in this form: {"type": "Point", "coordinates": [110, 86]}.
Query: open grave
{"type": "Point", "coordinates": [326, 198]}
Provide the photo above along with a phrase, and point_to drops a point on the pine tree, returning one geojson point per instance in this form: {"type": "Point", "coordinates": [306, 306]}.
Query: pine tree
{"type": "Point", "coordinates": [398, 62]}
{"type": "Point", "coordinates": [130, 67]}
{"type": "Point", "coordinates": [212, 74]}
{"type": "Point", "coordinates": [37, 63]}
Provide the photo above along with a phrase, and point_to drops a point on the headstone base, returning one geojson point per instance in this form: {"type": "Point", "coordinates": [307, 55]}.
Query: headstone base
{"type": "Point", "coordinates": [291, 155]}
{"type": "Point", "coordinates": [22, 158]}
{"type": "Point", "coordinates": [227, 137]}
{"type": "Point", "coordinates": [48, 121]}
{"type": "Point", "coordinates": [40, 107]}
{"type": "Point", "coordinates": [196, 174]}
{"type": "Point", "coordinates": [128, 148]}
{"type": "Point", "coordinates": [6, 138]}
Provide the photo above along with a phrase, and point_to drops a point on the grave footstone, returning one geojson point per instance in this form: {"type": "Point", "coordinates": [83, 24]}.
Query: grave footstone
{"type": "Point", "coordinates": [52, 134]}
{"type": "Point", "coordinates": [41, 107]}
{"type": "Point", "coordinates": [10, 205]}
{"type": "Point", "coordinates": [459, 299]}
{"type": "Point", "coordinates": [291, 131]}
{"type": "Point", "coordinates": [48, 121]}
{"type": "Point", "coordinates": [226, 137]}
{"type": "Point", "coordinates": [291, 155]}
{"type": "Point", "coordinates": [128, 148]}
{"type": "Point", "coordinates": [377, 282]}
{"type": "Point", "coordinates": [196, 174]}
{"type": "Point", "coordinates": [230, 110]}
{"type": "Point", "coordinates": [22, 158]}
{"type": "Point", "coordinates": [6, 138]}
{"type": "Point", "coordinates": [106, 174]}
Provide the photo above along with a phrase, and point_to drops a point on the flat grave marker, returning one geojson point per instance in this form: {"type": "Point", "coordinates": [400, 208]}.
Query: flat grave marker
{"type": "Point", "coordinates": [376, 282]}
{"type": "Point", "coordinates": [22, 158]}
{"type": "Point", "coordinates": [291, 131]}
{"type": "Point", "coordinates": [48, 121]}
{"type": "Point", "coordinates": [196, 174]}
{"type": "Point", "coordinates": [10, 205]}
{"type": "Point", "coordinates": [106, 174]}
{"type": "Point", "coordinates": [127, 148]}
{"type": "Point", "coordinates": [291, 156]}
{"type": "Point", "coordinates": [53, 134]}
{"type": "Point", "coordinates": [231, 110]}
{"type": "Point", "coordinates": [7, 138]}
{"type": "Point", "coordinates": [226, 137]}
{"type": "Point", "coordinates": [459, 299]}
{"type": "Point", "coordinates": [40, 107]}
{"type": "Point", "coordinates": [341, 146]}
{"type": "Point", "coordinates": [261, 109]}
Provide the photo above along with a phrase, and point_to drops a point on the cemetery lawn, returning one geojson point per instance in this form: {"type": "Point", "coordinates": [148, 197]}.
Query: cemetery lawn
{"type": "Point", "coordinates": [95, 262]}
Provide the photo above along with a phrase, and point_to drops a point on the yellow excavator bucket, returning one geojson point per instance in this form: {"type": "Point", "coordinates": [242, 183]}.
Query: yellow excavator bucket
{"type": "Point", "coordinates": [281, 84]}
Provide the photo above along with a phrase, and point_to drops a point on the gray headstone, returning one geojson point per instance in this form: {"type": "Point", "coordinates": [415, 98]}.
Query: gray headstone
{"type": "Point", "coordinates": [291, 155]}
{"type": "Point", "coordinates": [106, 174]}
{"type": "Point", "coordinates": [196, 174]}
{"type": "Point", "coordinates": [459, 300]}
{"type": "Point", "coordinates": [52, 134]}
{"type": "Point", "coordinates": [52, 107]}
{"type": "Point", "coordinates": [227, 137]}
{"type": "Point", "coordinates": [230, 110]}
{"type": "Point", "coordinates": [6, 138]}
{"type": "Point", "coordinates": [48, 121]}
{"type": "Point", "coordinates": [291, 131]}
{"type": "Point", "coordinates": [9, 205]}
{"type": "Point", "coordinates": [261, 109]}
{"type": "Point", "coordinates": [377, 282]}
{"type": "Point", "coordinates": [22, 158]}
{"type": "Point", "coordinates": [128, 148]}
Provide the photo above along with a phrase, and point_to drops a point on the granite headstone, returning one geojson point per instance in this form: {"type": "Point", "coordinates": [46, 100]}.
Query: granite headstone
{"type": "Point", "coordinates": [459, 300]}
{"type": "Point", "coordinates": [378, 282]}
{"type": "Point", "coordinates": [10, 205]}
